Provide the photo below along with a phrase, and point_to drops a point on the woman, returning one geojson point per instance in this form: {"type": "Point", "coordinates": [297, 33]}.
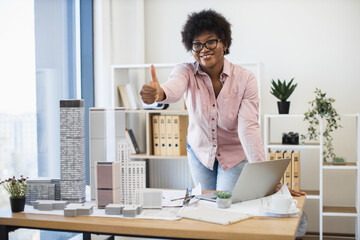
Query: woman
{"type": "Point", "coordinates": [222, 101]}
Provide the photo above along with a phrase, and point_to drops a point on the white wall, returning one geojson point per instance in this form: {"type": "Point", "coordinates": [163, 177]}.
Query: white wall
{"type": "Point", "coordinates": [317, 42]}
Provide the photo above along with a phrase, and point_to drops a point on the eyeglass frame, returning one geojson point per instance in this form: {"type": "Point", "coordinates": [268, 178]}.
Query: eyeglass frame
{"type": "Point", "coordinates": [204, 44]}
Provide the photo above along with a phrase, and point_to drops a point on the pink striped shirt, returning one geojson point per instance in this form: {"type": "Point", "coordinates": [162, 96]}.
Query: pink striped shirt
{"type": "Point", "coordinates": [225, 127]}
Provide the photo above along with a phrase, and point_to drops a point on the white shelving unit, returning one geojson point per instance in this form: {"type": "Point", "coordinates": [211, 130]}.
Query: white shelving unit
{"type": "Point", "coordinates": [319, 195]}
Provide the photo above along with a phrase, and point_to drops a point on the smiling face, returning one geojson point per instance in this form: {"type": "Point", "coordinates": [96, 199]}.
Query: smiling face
{"type": "Point", "coordinates": [211, 61]}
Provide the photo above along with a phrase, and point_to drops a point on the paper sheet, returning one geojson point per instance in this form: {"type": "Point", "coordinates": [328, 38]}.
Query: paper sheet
{"type": "Point", "coordinates": [168, 195]}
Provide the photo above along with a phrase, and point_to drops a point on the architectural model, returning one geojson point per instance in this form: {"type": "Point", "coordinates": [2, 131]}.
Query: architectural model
{"type": "Point", "coordinates": [107, 128]}
{"type": "Point", "coordinates": [72, 150]}
{"type": "Point", "coordinates": [43, 189]}
{"type": "Point", "coordinates": [49, 205]}
{"type": "Point", "coordinates": [149, 198]}
{"type": "Point", "coordinates": [125, 210]}
{"type": "Point", "coordinates": [73, 209]}
{"type": "Point", "coordinates": [107, 183]}
{"type": "Point", "coordinates": [132, 173]}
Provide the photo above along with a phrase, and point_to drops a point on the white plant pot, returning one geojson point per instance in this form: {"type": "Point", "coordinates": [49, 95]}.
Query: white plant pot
{"type": "Point", "coordinates": [223, 202]}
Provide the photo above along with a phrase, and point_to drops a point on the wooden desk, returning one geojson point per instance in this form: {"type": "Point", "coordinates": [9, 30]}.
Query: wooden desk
{"type": "Point", "coordinates": [254, 228]}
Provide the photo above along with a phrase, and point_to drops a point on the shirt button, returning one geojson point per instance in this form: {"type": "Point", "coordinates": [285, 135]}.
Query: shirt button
{"type": "Point", "coordinates": [219, 155]}
{"type": "Point", "coordinates": [213, 119]}
{"type": "Point", "coordinates": [213, 105]}
{"type": "Point", "coordinates": [214, 145]}
{"type": "Point", "coordinates": [213, 130]}
{"type": "Point", "coordinates": [213, 138]}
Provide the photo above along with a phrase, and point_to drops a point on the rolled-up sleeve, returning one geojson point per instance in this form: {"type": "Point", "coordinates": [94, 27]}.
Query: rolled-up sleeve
{"type": "Point", "coordinates": [249, 130]}
{"type": "Point", "coordinates": [176, 85]}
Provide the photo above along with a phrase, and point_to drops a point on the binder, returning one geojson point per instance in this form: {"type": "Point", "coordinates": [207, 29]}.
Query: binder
{"type": "Point", "coordinates": [271, 156]}
{"type": "Point", "coordinates": [180, 125]}
{"type": "Point", "coordinates": [288, 174]}
{"type": "Point", "coordinates": [295, 171]}
{"type": "Point", "coordinates": [162, 132]}
{"type": "Point", "coordinates": [169, 135]}
{"type": "Point", "coordinates": [156, 134]}
{"type": "Point", "coordinates": [280, 155]}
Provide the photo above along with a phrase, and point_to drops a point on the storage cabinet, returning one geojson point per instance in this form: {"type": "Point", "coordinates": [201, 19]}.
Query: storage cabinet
{"type": "Point", "coordinates": [334, 211]}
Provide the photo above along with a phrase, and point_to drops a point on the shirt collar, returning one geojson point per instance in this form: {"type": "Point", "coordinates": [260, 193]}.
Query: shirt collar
{"type": "Point", "coordinates": [226, 69]}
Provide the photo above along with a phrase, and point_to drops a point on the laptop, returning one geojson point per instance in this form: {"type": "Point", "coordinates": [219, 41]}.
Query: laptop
{"type": "Point", "coordinates": [256, 180]}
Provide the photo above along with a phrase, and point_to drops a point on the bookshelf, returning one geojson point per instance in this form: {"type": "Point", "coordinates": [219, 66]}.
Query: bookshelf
{"type": "Point", "coordinates": [333, 211]}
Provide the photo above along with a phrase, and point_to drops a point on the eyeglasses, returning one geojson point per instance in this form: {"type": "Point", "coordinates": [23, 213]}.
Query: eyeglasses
{"type": "Point", "coordinates": [210, 44]}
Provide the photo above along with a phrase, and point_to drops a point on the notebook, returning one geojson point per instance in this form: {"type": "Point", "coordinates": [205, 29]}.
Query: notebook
{"type": "Point", "coordinates": [256, 180]}
{"type": "Point", "coordinates": [212, 215]}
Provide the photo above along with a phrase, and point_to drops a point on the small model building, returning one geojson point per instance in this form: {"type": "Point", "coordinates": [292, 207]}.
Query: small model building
{"type": "Point", "coordinates": [43, 189]}
{"type": "Point", "coordinates": [107, 183]}
{"type": "Point", "coordinates": [73, 210]}
{"type": "Point", "coordinates": [149, 198]}
{"type": "Point", "coordinates": [123, 209]}
{"type": "Point", "coordinates": [49, 205]}
{"type": "Point", "coordinates": [107, 128]}
{"type": "Point", "coordinates": [72, 150]}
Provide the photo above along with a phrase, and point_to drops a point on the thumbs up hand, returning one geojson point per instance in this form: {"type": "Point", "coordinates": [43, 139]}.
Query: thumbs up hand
{"type": "Point", "coordinates": [151, 91]}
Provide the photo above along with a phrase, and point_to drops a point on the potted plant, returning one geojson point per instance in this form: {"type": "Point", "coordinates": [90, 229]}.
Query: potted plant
{"type": "Point", "coordinates": [17, 189]}
{"type": "Point", "coordinates": [282, 91]}
{"type": "Point", "coordinates": [322, 107]}
{"type": "Point", "coordinates": [223, 199]}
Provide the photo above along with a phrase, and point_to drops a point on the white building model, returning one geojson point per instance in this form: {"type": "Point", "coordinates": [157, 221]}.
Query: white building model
{"type": "Point", "coordinates": [106, 129]}
{"type": "Point", "coordinates": [108, 144]}
{"type": "Point", "coordinates": [132, 173]}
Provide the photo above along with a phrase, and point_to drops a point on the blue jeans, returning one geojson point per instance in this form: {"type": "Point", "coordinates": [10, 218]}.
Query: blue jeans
{"type": "Point", "coordinates": [216, 179]}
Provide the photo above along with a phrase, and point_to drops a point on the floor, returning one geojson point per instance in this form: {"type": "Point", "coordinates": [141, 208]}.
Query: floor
{"type": "Point", "coordinates": [25, 234]}
{"type": "Point", "coordinates": [313, 237]}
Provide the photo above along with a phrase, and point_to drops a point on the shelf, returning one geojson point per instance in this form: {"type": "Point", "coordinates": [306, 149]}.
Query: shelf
{"type": "Point", "coordinates": [348, 165]}
{"type": "Point", "coordinates": [145, 156]}
{"type": "Point", "coordinates": [165, 111]}
{"type": "Point", "coordinates": [312, 194]}
{"type": "Point", "coordinates": [299, 146]}
{"type": "Point", "coordinates": [284, 115]}
{"type": "Point", "coordinates": [339, 211]}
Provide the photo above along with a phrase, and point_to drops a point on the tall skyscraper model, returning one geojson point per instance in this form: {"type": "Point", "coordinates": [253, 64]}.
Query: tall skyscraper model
{"type": "Point", "coordinates": [72, 152]}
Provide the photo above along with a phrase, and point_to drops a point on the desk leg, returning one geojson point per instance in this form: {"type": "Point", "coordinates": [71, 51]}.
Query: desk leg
{"type": "Point", "coordinates": [4, 232]}
{"type": "Point", "coordinates": [86, 236]}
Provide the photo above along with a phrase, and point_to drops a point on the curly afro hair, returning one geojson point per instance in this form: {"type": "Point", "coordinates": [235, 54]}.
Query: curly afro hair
{"type": "Point", "coordinates": [206, 20]}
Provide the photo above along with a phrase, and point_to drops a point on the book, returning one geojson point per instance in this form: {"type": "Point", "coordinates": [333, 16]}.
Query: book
{"type": "Point", "coordinates": [162, 133]}
{"type": "Point", "coordinates": [133, 141]}
{"type": "Point", "coordinates": [156, 134]}
{"type": "Point", "coordinates": [132, 147]}
{"type": "Point", "coordinates": [180, 125]}
{"type": "Point", "coordinates": [124, 97]}
{"type": "Point", "coordinates": [132, 97]}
